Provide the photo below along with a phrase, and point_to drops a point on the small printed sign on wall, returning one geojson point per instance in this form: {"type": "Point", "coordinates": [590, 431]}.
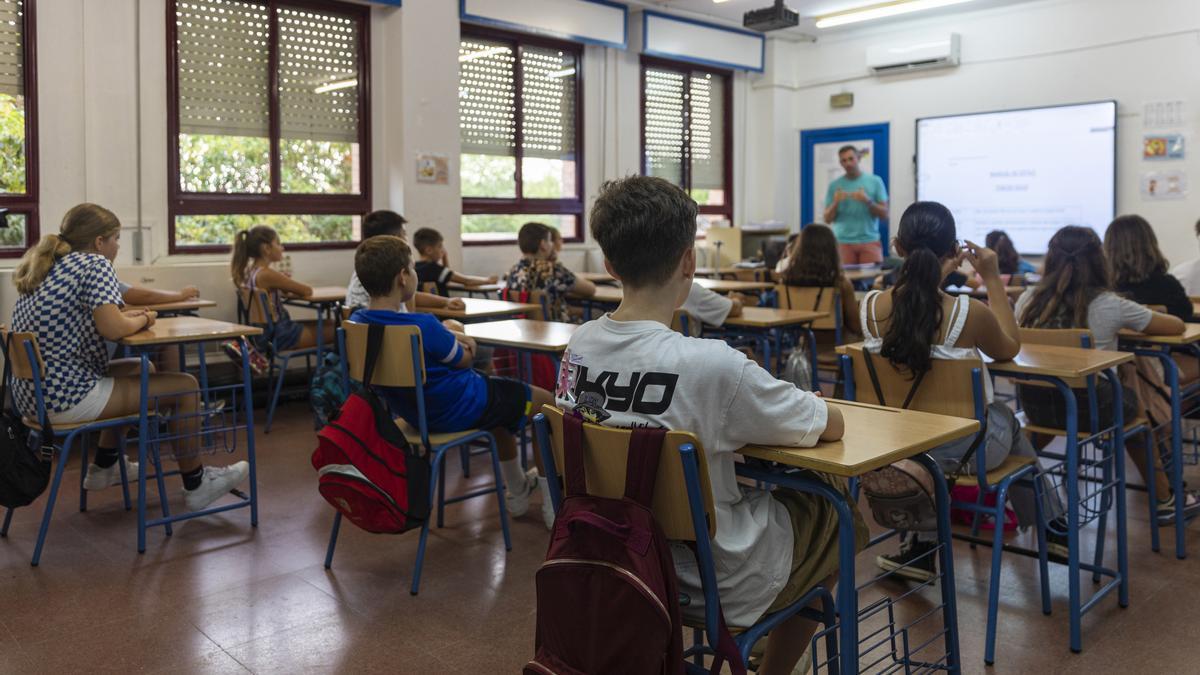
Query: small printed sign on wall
{"type": "Point", "coordinates": [433, 169]}
{"type": "Point", "coordinates": [1162, 146]}
{"type": "Point", "coordinates": [1159, 185]}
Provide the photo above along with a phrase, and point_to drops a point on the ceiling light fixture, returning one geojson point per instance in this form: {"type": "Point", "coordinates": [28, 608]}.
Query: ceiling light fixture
{"type": "Point", "coordinates": [881, 11]}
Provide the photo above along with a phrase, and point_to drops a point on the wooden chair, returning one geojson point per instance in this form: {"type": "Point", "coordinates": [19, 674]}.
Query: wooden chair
{"type": "Point", "coordinates": [682, 322]}
{"type": "Point", "coordinates": [401, 365]}
{"type": "Point", "coordinates": [818, 299]}
{"type": "Point", "coordinates": [261, 312]}
{"type": "Point", "coordinates": [26, 363]}
{"type": "Point", "coordinates": [683, 507]}
{"type": "Point", "coordinates": [955, 388]}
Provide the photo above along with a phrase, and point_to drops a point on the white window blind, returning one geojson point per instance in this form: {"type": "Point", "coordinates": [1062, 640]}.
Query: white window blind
{"type": "Point", "coordinates": [684, 137]}
{"type": "Point", "coordinates": [318, 75]}
{"type": "Point", "coordinates": [548, 103]}
{"type": "Point", "coordinates": [707, 131]}
{"type": "Point", "coordinates": [487, 98]}
{"type": "Point", "coordinates": [12, 44]}
{"type": "Point", "coordinates": [223, 61]}
{"type": "Point", "coordinates": [664, 124]}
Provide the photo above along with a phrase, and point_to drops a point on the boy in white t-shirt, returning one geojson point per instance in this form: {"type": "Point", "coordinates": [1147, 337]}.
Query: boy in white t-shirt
{"type": "Point", "coordinates": [1188, 273]}
{"type": "Point", "coordinates": [628, 368]}
{"type": "Point", "coordinates": [712, 308]}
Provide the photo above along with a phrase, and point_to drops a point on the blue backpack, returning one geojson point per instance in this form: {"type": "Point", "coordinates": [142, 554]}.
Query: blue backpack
{"type": "Point", "coordinates": [327, 392]}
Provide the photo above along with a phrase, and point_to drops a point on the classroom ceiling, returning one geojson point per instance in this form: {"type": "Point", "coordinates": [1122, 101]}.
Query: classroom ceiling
{"type": "Point", "coordinates": [732, 11]}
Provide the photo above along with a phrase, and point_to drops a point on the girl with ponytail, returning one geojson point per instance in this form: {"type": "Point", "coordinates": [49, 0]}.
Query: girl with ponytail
{"type": "Point", "coordinates": [914, 322]}
{"type": "Point", "coordinates": [1075, 292]}
{"type": "Point", "coordinates": [71, 301]}
{"type": "Point", "coordinates": [254, 250]}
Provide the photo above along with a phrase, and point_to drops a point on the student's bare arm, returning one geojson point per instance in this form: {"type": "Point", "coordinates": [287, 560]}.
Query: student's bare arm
{"type": "Point", "coordinates": [835, 426]}
{"type": "Point", "coordinates": [878, 209]}
{"type": "Point", "coordinates": [985, 329]}
{"type": "Point", "coordinates": [114, 324]}
{"type": "Point", "coordinates": [583, 287]}
{"type": "Point", "coordinates": [269, 280]}
{"type": "Point", "coordinates": [138, 295]}
{"type": "Point", "coordinates": [468, 349]}
{"type": "Point", "coordinates": [1164, 324]}
{"type": "Point", "coordinates": [468, 280]}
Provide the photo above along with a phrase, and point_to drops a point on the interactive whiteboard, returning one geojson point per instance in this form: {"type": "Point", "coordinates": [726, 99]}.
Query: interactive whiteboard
{"type": "Point", "coordinates": [1028, 172]}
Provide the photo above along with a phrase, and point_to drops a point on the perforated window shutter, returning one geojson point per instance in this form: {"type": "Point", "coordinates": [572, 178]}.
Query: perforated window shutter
{"type": "Point", "coordinates": [707, 131]}
{"type": "Point", "coordinates": [223, 60]}
{"type": "Point", "coordinates": [664, 124]}
{"type": "Point", "coordinates": [487, 98]}
{"type": "Point", "coordinates": [548, 102]}
{"type": "Point", "coordinates": [318, 75]}
{"type": "Point", "coordinates": [12, 44]}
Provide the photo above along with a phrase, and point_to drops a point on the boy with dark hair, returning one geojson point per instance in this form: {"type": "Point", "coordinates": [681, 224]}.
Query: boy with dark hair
{"type": "Point", "coordinates": [432, 267]}
{"type": "Point", "coordinates": [539, 271]}
{"type": "Point", "coordinates": [770, 547]}
{"type": "Point", "coordinates": [456, 397]}
{"type": "Point", "coordinates": [1188, 273]}
{"type": "Point", "coordinates": [384, 222]}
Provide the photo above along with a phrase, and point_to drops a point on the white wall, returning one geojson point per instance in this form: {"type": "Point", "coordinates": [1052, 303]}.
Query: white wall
{"type": "Point", "coordinates": [1028, 54]}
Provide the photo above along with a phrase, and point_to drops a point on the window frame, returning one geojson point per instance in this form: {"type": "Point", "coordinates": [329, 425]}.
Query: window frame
{"type": "Point", "coordinates": [27, 203]}
{"type": "Point", "coordinates": [520, 205]}
{"type": "Point", "coordinates": [686, 69]}
{"type": "Point", "coordinates": [182, 203]}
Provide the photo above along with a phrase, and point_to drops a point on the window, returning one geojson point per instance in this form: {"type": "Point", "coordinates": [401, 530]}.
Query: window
{"type": "Point", "coordinates": [519, 109]}
{"type": "Point", "coordinates": [686, 116]}
{"type": "Point", "coordinates": [18, 128]}
{"type": "Point", "coordinates": [269, 121]}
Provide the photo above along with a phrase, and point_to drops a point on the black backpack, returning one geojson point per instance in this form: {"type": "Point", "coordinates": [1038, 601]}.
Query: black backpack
{"type": "Point", "coordinates": [24, 472]}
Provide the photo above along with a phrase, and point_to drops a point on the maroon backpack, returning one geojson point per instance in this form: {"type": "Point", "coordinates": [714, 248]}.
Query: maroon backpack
{"type": "Point", "coordinates": [366, 468]}
{"type": "Point", "coordinates": [607, 600]}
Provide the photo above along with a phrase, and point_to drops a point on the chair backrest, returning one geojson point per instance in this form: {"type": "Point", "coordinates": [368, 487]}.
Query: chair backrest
{"type": "Point", "coordinates": [396, 364]}
{"type": "Point", "coordinates": [21, 367]}
{"type": "Point", "coordinates": [605, 450]}
{"type": "Point", "coordinates": [534, 297]}
{"type": "Point", "coordinates": [949, 388]}
{"type": "Point", "coordinates": [682, 322]}
{"type": "Point", "coordinates": [1059, 337]}
{"type": "Point", "coordinates": [429, 287]}
{"type": "Point", "coordinates": [258, 306]}
{"type": "Point", "coordinates": [346, 312]}
{"type": "Point", "coordinates": [813, 298]}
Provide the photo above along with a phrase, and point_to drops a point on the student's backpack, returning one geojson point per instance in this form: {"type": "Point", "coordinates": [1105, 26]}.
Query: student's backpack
{"type": "Point", "coordinates": [366, 468]}
{"type": "Point", "coordinates": [24, 471]}
{"type": "Point", "coordinates": [326, 392]}
{"type": "Point", "coordinates": [607, 597]}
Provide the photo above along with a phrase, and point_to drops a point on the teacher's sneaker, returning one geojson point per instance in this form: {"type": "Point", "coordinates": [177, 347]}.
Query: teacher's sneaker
{"type": "Point", "coordinates": [98, 479]}
{"type": "Point", "coordinates": [216, 481]}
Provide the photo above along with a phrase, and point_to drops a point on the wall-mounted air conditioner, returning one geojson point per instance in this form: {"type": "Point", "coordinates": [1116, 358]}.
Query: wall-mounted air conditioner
{"type": "Point", "coordinates": [906, 57]}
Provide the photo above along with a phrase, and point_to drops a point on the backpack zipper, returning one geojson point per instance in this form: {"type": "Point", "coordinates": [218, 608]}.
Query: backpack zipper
{"type": "Point", "coordinates": [367, 450]}
{"type": "Point", "coordinates": [629, 576]}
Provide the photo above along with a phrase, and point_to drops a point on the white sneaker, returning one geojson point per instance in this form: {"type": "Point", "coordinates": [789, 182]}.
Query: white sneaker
{"type": "Point", "coordinates": [547, 503]}
{"type": "Point", "coordinates": [98, 479]}
{"type": "Point", "coordinates": [216, 481]}
{"type": "Point", "coordinates": [518, 500]}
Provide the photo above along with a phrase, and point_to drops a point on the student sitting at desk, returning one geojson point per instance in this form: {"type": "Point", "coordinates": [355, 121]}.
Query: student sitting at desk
{"type": "Point", "coordinates": [380, 222]}
{"type": "Point", "coordinates": [432, 267]}
{"type": "Point", "coordinates": [1139, 270]}
{"type": "Point", "coordinates": [770, 547]}
{"type": "Point", "coordinates": [913, 323]}
{"type": "Point", "coordinates": [712, 308]}
{"type": "Point", "coordinates": [254, 251]}
{"type": "Point", "coordinates": [1074, 292]}
{"type": "Point", "coordinates": [815, 262]}
{"type": "Point", "coordinates": [537, 270]}
{"type": "Point", "coordinates": [456, 397]}
{"type": "Point", "coordinates": [70, 300]}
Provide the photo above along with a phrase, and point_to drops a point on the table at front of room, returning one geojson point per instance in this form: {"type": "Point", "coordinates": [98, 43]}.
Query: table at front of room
{"type": "Point", "coordinates": [875, 437]}
{"type": "Point", "coordinates": [1057, 366]}
{"type": "Point", "coordinates": [324, 300]}
{"type": "Point", "coordinates": [188, 331]}
{"type": "Point", "coordinates": [1162, 347]}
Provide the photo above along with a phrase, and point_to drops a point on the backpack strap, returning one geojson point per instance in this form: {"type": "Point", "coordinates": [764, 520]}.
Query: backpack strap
{"type": "Point", "coordinates": [641, 466]}
{"type": "Point", "coordinates": [375, 332]}
{"type": "Point", "coordinates": [912, 391]}
{"type": "Point", "coordinates": [820, 295]}
{"type": "Point", "coordinates": [726, 649]}
{"type": "Point", "coordinates": [574, 477]}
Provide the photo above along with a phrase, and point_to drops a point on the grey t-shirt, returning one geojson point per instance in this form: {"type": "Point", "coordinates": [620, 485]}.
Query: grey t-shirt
{"type": "Point", "coordinates": [1107, 315]}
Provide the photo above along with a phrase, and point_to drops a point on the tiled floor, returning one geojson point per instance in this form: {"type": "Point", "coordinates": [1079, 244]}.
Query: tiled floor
{"type": "Point", "coordinates": [222, 597]}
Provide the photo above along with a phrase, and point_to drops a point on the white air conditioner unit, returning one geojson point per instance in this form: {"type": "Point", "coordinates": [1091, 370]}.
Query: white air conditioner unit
{"type": "Point", "coordinates": [907, 57]}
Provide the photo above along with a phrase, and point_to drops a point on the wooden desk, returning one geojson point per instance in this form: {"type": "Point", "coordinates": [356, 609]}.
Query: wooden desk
{"type": "Point", "coordinates": [1058, 362]}
{"type": "Point", "coordinates": [608, 295]}
{"type": "Point", "coordinates": [1013, 292]}
{"type": "Point", "coordinates": [1191, 335]}
{"type": "Point", "coordinates": [482, 289]}
{"type": "Point", "coordinates": [767, 325]}
{"type": "Point", "coordinates": [324, 295]}
{"type": "Point", "coordinates": [540, 336]}
{"type": "Point", "coordinates": [770, 317]}
{"type": "Point", "coordinates": [706, 271]}
{"type": "Point", "coordinates": [597, 277]}
{"type": "Point", "coordinates": [728, 286]}
{"type": "Point", "coordinates": [482, 308]}
{"type": "Point", "coordinates": [875, 437]}
{"type": "Point", "coordinates": [184, 329]}
{"type": "Point", "coordinates": [864, 274]}
{"type": "Point", "coordinates": [182, 307]}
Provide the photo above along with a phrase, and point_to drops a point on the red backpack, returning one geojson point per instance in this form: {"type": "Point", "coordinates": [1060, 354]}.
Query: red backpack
{"type": "Point", "coordinates": [366, 468]}
{"type": "Point", "coordinates": [611, 557]}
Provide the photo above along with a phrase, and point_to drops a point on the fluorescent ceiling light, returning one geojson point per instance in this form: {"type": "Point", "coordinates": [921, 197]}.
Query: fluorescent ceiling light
{"type": "Point", "coordinates": [334, 86]}
{"type": "Point", "coordinates": [717, 2]}
{"type": "Point", "coordinates": [882, 11]}
{"type": "Point", "coordinates": [561, 73]}
{"type": "Point", "coordinates": [482, 53]}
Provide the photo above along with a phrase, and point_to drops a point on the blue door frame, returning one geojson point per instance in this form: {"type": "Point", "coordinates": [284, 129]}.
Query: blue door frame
{"type": "Point", "coordinates": [877, 133]}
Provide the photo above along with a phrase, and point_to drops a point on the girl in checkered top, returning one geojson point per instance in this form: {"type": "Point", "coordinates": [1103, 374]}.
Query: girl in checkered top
{"type": "Point", "coordinates": [71, 302]}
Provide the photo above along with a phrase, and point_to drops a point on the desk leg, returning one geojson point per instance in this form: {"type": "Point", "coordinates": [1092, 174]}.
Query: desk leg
{"type": "Point", "coordinates": [946, 554]}
{"type": "Point", "coordinates": [1119, 466]}
{"type": "Point", "coordinates": [320, 332]}
{"type": "Point", "coordinates": [143, 439]}
{"type": "Point", "coordinates": [248, 402]}
{"type": "Point", "coordinates": [1072, 415]}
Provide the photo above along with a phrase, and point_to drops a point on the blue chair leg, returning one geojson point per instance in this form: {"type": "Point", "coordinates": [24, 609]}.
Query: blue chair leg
{"type": "Point", "coordinates": [7, 522]}
{"type": "Point", "coordinates": [976, 518]}
{"type": "Point", "coordinates": [49, 512]}
{"type": "Point", "coordinates": [333, 535]}
{"type": "Point", "coordinates": [438, 458]}
{"type": "Point", "coordinates": [1152, 496]}
{"type": "Point", "coordinates": [989, 656]}
{"type": "Point", "coordinates": [464, 456]}
{"type": "Point", "coordinates": [158, 479]}
{"type": "Point", "coordinates": [500, 492]}
{"type": "Point", "coordinates": [1040, 537]}
{"type": "Point", "coordinates": [275, 396]}
{"type": "Point", "coordinates": [83, 467]}
{"type": "Point", "coordinates": [441, 496]}
{"type": "Point", "coordinates": [125, 476]}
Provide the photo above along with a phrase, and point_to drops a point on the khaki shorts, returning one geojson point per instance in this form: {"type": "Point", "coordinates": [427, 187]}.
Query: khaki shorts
{"type": "Point", "coordinates": [815, 529]}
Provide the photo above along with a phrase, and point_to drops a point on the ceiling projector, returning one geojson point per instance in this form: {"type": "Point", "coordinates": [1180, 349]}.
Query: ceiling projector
{"type": "Point", "coordinates": [776, 17]}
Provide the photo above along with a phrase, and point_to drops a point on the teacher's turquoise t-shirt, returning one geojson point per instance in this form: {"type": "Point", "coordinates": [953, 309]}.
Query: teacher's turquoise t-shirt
{"type": "Point", "coordinates": [854, 223]}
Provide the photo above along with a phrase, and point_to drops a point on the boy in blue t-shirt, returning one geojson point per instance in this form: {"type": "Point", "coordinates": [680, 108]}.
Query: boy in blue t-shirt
{"type": "Point", "coordinates": [456, 397]}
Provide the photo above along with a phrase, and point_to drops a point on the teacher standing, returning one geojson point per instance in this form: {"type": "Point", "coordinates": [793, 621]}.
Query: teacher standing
{"type": "Point", "coordinates": [854, 204]}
